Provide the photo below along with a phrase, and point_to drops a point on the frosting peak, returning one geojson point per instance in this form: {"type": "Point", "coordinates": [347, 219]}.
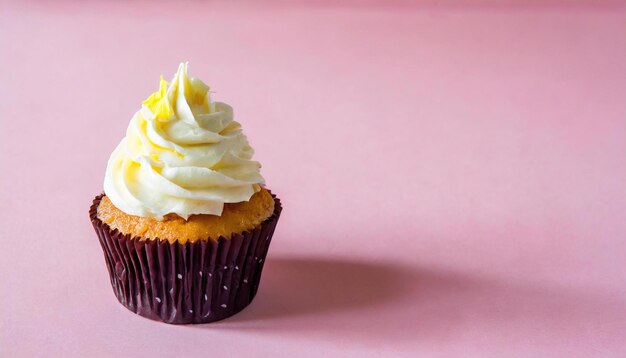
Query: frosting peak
{"type": "Point", "coordinates": [182, 154]}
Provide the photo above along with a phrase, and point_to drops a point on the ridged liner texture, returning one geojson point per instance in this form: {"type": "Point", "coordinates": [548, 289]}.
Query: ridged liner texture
{"type": "Point", "coordinates": [195, 282]}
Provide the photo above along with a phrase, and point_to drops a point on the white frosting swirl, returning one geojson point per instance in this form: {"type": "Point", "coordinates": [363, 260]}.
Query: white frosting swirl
{"type": "Point", "coordinates": [182, 154]}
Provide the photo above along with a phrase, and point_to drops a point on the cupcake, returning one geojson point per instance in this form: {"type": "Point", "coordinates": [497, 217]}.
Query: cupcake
{"type": "Point", "coordinates": [185, 220]}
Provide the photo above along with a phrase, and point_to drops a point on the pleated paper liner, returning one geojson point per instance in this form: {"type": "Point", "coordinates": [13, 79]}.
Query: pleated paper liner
{"type": "Point", "coordinates": [195, 282]}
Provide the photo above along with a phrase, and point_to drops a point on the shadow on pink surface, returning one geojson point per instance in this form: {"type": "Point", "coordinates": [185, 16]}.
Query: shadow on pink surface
{"type": "Point", "coordinates": [391, 303]}
{"type": "Point", "coordinates": [311, 286]}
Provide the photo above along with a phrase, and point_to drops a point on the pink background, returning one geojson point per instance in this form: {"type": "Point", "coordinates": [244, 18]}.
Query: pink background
{"type": "Point", "coordinates": [453, 174]}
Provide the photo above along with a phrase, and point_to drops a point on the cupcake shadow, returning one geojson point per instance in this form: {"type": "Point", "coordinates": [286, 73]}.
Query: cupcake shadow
{"type": "Point", "coordinates": [313, 286]}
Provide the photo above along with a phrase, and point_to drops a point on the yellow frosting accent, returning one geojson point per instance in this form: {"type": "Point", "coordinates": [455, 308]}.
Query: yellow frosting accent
{"type": "Point", "coordinates": [158, 102]}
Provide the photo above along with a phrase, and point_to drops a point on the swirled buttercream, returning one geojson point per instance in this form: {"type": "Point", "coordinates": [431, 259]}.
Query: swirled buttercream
{"type": "Point", "coordinates": [182, 154]}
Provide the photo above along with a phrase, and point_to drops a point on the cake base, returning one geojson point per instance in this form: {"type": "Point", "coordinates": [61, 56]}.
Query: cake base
{"type": "Point", "coordinates": [195, 282]}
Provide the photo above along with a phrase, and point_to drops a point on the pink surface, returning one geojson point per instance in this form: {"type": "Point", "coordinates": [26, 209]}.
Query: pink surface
{"type": "Point", "coordinates": [453, 176]}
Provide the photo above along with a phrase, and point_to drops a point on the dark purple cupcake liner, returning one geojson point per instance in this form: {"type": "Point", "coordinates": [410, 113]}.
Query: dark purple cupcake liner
{"type": "Point", "coordinates": [200, 282]}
